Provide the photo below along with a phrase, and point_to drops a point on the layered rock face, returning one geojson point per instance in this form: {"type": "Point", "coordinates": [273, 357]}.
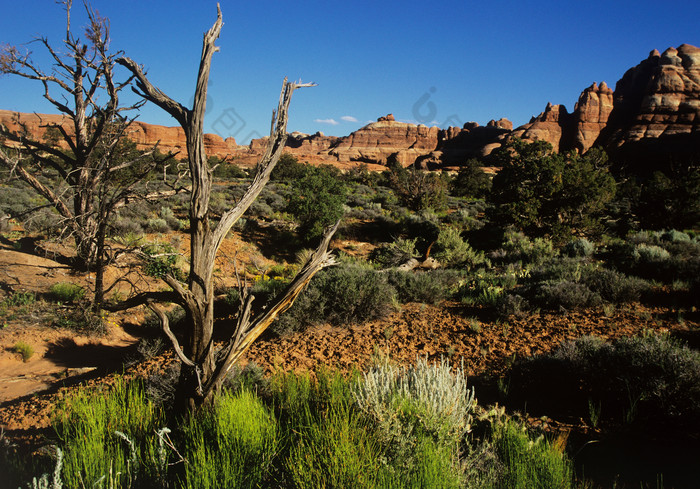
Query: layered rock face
{"type": "Point", "coordinates": [654, 113]}
{"type": "Point", "coordinates": [591, 115]}
{"type": "Point", "coordinates": [169, 139]}
{"type": "Point", "coordinates": [657, 98]}
{"type": "Point", "coordinates": [389, 140]}
{"type": "Point", "coordinates": [384, 139]}
{"type": "Point", "coordinates": [578, 130]}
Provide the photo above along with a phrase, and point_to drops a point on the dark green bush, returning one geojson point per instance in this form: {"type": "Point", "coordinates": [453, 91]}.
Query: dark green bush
{"type": "Point", "coordinates": [512, 305]}
{"type": "Point", "coordinates": [317, 201]}
{"type": "Point", "coordinates": [471, 180]}
{"type": "Point", "coordinates": [579, 248]}
{"type": "Point", "coordinates": [226, 170]}
{"type": "Point", "coordinates": [416, 189]}
{"type": "Point", "coordinates": [288, 168]}
{"type": "Point", "coordinates": [652, 379]}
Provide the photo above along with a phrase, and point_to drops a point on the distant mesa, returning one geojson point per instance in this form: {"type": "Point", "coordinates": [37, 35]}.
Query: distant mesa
{"type": "Point", "coordinates": [653, 115]}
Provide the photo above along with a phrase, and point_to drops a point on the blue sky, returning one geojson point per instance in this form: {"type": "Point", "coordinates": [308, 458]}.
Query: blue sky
{"type": "Point", "coordinates": [442, 64]}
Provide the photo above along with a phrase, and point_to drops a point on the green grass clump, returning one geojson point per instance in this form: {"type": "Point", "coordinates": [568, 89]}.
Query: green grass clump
{"type": "Point", "coordinates": [24, 349]}
{"type": "Point", "coordinates": [231, 445]}
{"type": "Point", "coordinates": [67, 292]}
{"type": "Point", "coordinates": [19, 299]}
{"type": "Point", "coordinates": [529, 463]}
{"type": "Point", "coordinates": [108, 436]}
{"type": "Point", "coordinates": [335, 450]}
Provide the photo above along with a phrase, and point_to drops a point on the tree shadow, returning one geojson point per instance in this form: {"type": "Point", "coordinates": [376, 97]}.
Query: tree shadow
{"type": "Point", "coordinates": [104, 358]}
{"type": "Point", "coordinates": [30, 245]}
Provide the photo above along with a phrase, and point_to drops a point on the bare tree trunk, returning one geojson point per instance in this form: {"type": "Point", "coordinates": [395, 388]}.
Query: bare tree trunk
{"type": "Point", "coordinates": [202, 369]}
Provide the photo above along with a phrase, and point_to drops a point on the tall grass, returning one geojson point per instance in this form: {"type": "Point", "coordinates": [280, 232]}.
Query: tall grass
{"type": "Point", "coordinates": [390, 428]}
{"type": "Point", "coordinates": [529, 463]}
{"type": "Point", "coordinates": [231, 445]}
{"type": "Point", "coordinates": [106, 436]}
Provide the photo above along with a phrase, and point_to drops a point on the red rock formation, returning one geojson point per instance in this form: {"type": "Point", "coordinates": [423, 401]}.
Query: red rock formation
{"type": "Point", "coordinates": [591, 115]}
{"type": "Point", "coordinates": [378, 141]}
{"type": "Point", "coordinates": [660, 97]}
{"type": "Point", "coordinates": [655, 103]}
{"type": "Point", "coordinates": [578, 130]}
{"type": "Point", "coordinates": [169, 139]}
{"type": "Point", "coordinates": [548, 126]}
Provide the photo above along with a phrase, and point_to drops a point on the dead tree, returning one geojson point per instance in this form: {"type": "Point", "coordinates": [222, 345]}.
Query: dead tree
{"type": "Point", "coordinates": [87, 151]}
{"type": "Point", "coordinates": [204, 368]}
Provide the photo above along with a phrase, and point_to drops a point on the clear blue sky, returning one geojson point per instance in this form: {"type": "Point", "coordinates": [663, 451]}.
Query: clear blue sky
{"type": "Point", "coordinates": [464, 60]}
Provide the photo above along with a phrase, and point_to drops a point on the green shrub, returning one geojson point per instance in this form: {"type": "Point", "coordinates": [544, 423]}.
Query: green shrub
{"type": "Point", "coordinates": [166, 213]}
{"type": "Point", "coordinates": [347, 294]}
{"type": "Point", "coordinates": [19, 299]}
{"type": "Point", "coordinates": [24, 349]}
{"type": "Point", "coordinates": [157, 225]}
{"type": "Point", "coordinates": [417, 189]}
{"type": "Point", "coordinates": [650, 255]}
{"type": "Point", "coordinates": [613, 286]}
{"type": "Point", "coordinates": [403, 403]}
{"type": "Point", "coordinates": [288, 168]}
{"type": "Point", "coordinates": [161, 259]}
{"type": "Point", "coordinates": [471, 180]}
{"type": "Point", "coordinates": [512, 305]}
{"type": "Point", "coordinates": [486, 288]}
{"type": "Point", "coordinates": [109, 437]}
{"type": "Point", "coordinates": [548, 193]}
{"type": "Point", "coordinates": [317, 201]}
{"type": "Point", "coordinates": [227, 170]}
{"type": "Point", "coordinates": [567, 295]}
{"type": "Point", "coordinates": [675, 236]}
{"type": "Point", "coordinates": [420, 414]}
{"type": "Point", "coordinates": [396, 253]}
{"type": "Point", "coordinates": [67, 292]}
{"type": "Point", "coordinates": [519, 248]}
{"type": "Point", "coordinates": [452, 251]}
{"type": "Point", "coordinates": [123, 226]}
{"type": "Point", "coordinates": [45, 220]}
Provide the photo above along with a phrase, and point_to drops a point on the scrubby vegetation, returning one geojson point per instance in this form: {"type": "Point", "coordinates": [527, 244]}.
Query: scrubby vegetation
{"type": "Point", "coordinates": [406, 237]}
{"type": "Point", "coordinates": [389, 428]}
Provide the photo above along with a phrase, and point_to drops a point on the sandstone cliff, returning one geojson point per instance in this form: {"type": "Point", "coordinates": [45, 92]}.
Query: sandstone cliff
{"type": "Point", "coordinates": [169, 139]}
{"type": "Point", "coordinates": [654, 113]}
{"type": "Point", "coordinates": [578, 130]}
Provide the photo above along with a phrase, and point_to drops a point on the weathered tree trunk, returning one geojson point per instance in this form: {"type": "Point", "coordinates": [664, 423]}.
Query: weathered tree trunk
{"type": "Point", "coordinates": [203, 369]}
